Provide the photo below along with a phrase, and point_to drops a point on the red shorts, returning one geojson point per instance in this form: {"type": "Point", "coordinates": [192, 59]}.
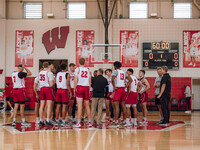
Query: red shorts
{"type": "Point", "coordinates": [119, 94]}
{"type": "Point", "coordinates": [46, 93]}
{"type": "Point", "coordinates": [143, 98]}
{"type": "Point", "coordinates": [62, 96]}
{"type": "Point", "coordinates": [73, 96]}
{"type": "Point", "coordinates": [19, 95]}
{"type": "Point", "coordinates": [132, 98]}
{"type": "Point", "coordinates": [35, 99]}
{"type": "Point", "coordinates": [83, 92]}
{"type": "Point", "coordinates": [109, 94]}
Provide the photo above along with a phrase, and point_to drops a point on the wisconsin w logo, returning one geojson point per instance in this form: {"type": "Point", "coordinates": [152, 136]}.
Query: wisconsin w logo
{"type": "Point", "coordinates": [58, 40]}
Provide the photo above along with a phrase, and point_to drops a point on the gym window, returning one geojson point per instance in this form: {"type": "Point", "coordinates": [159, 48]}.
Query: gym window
{"type": "Point", "coordinates": [138, 10]}
{"type": "Point", "coordinates": [76, 10]}
{"type": "Point", "coordinates": [32, 10]}
{"type": "Point", "coordinates": [182, 10]}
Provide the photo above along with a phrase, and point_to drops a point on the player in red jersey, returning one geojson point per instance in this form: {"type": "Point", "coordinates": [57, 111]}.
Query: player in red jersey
{"type": "Point", "coordinates": [143, 96]}
{"type": "Point", "coordinates": [46, 81]}
{"type": "Point", "coordinates": [110, 94]}
{"type": "Point", "coordinates": [8, 95]}
{"type": "Point", "coordinates": [82, 84]}
{"type": "Point", "coordinates": [63, 94]}
{"type": "Point", "coordinates": [132, 99]}
{"type": "Point", "coordinates": [118, 81]}
{"type": "Point", "coordinates": [18, 92]}
{"type": "Point", "coordinates": [70, 79]}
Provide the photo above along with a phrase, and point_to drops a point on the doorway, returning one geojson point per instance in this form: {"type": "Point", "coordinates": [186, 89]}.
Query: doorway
{"type": "Point", "coordinates": [195, 94]}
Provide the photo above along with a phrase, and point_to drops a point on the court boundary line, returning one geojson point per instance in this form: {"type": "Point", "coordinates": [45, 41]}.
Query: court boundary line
{"type": "Point", "coordinates": [90, 141]}
{"type": "Point", "coordinates": [12, 130]}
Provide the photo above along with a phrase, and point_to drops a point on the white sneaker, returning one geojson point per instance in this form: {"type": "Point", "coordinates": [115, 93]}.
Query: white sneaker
{"type": "Point", "coordinates": [190, 64]}
{"type": "Point", "coordinates": [37, 121]}
{"type": "Point", "coordinates": [135, 124]}
{"type": "Point", "coordinates": [188, 112]}
{"type": "Point", "coordinates": [128, 124]}
{"type": "Point", "coordinates": [194, 65]}
{"type": "Point", "coordinates": [78, 125]}
{"type": "Point", "coordinates": [25, 123]}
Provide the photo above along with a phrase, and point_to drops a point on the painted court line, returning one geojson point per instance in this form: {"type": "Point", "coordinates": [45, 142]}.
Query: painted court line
{"type": "Point", "coordinates": [88, 144]}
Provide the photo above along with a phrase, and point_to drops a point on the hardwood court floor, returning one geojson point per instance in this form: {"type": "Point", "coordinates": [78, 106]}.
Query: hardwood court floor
{"type": "Point", "coordinates": [183, 134]}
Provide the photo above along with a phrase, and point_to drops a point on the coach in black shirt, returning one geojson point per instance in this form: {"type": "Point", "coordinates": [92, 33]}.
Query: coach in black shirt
{"type": "Point", "coordinates": [100, 91]}
{"type": "Point", "coordinates": [165, 94]}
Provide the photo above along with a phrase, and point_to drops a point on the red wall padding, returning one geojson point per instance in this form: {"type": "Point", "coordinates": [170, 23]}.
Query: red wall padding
{"type": "Point", "coordinates": [176, 92]}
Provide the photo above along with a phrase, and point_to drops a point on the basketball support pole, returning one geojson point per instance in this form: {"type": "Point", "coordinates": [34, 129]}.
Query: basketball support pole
{"type": "Point", "coordinates": [106, 21]}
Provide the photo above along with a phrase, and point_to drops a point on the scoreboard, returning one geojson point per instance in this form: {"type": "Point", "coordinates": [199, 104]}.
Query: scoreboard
{"type": "Point", "coordinates": [158, 54]}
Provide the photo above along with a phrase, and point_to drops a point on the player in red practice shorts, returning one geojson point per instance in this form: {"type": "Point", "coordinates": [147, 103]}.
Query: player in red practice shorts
{"type": "Point", "coordinates": [18, 92]}
{"type": "Point", "coordinates": [143, 96]}
{"type": "Point", "coordinates": [71, 71]}
{"type": "Point", "coordinates": [63, 94]}
{"type": "Point", "coordinates": [132, 98]}
{"type": "Point", "coordinates": [118, 81]}
{"type": "Point", "coordinates": [46, 81]}
{"type": "Point", "coordinates": [82, 84]}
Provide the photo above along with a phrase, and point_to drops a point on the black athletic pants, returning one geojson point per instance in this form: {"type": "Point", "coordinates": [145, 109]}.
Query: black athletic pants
{"type": "Point", "coordinates": [165, 108]}
{"type": "Point", "coordinates": [188, 102]}
{"type": "Point", "coordinates": [74, 109]}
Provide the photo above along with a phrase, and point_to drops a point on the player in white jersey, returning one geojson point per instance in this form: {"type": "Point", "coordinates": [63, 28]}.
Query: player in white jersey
{"type": "Point", "coordinates": [193, 49]}
{"type": "Point", "coordinates": [132, 100]}
{"type": "Point", "coordinates": [36, 88]}
{"type": "Point", "coordinates": [63, 94]}
{"type": "Point", "coordinates": [82, 84]}
{"type": "Point", "coordinates": [110, 95]}
{"type": "Point", "coordinates": [72, 68]}
{"type": "Point", "coordinates": [46, 81]}
{"type": "Point", "coordinates": [143, 96]}
{"type": "Point", "coordinates": [118, 81]}
{"type": "Point", "coordinates": [18, 92]}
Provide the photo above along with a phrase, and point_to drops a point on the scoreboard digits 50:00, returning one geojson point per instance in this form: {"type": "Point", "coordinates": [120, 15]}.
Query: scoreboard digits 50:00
{"type": "Point", "coordinates": [158, 54]}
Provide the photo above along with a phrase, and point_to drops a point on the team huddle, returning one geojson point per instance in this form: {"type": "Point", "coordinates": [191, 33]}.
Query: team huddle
{"type": "Point", "coordinates": [123, 91]}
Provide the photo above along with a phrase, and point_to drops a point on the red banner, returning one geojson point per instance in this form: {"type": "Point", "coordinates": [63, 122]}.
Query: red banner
{"type": "Point", "coordinates": [24, 47]}
{"type": "Point", "coordinates": [191, 49]}
{"type": "Point", "coordinates": [84, 38]}
{"type": "Point", "coordinates": [130, 46]}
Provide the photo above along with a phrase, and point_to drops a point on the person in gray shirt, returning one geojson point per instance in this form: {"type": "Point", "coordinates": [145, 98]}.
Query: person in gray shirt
{"type": "Point", "coordinates": [188, 98]}
{"type": "Point", "coordinates": [157, 92]}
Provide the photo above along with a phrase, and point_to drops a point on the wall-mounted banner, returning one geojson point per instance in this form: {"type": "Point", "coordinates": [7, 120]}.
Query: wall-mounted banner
{"type": "Point", "coordinates": [57, 37]}
{"type": "Point", "coordinates": [130, 46]}
{"type": "Point", "coordinates": [24, 47]}
{"type": "Point", "coordinates": [84, 39]}
{"type": "Point", "coordinates": [191, 48]}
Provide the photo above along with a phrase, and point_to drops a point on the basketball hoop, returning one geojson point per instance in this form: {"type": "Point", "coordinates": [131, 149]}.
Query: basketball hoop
{"type": "Point", "coordinates": [105, 60]}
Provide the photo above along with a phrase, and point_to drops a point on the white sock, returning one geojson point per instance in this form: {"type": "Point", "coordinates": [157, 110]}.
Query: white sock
{"type": "Point", "coordinates": [70, 118]}
{"type": "Point", "coordinates": [14, 119]}
{"type": "Point", "coordinates": [89, 120]}
{"type": "Point", "coordinates": [61, 118]}
{"type": "Point", "coordinates": [127, 120]}
{"type": "Point", "coordinates": [41, 120]}
{"type": "Point", "coordinates": [37, 118]}
{"type": "Point", "coordinates": [145, 119]}
{"type": "Point", "coordinates": [160, 117]}
{"type": "Point", "coordinates": [47, 119]}
{"type": "Point", "coordinates": [23, 119]}
{"type": "Point", "coordinates": [78, 121]}
{"type": "Point", "coordinates": [134, 120]}
{"type": "Point", "coordinates": [63, 121]}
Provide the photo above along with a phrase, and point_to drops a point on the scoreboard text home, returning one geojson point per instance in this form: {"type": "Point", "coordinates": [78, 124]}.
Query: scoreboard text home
{"type": "Point", "coordinates": [158, 54]}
